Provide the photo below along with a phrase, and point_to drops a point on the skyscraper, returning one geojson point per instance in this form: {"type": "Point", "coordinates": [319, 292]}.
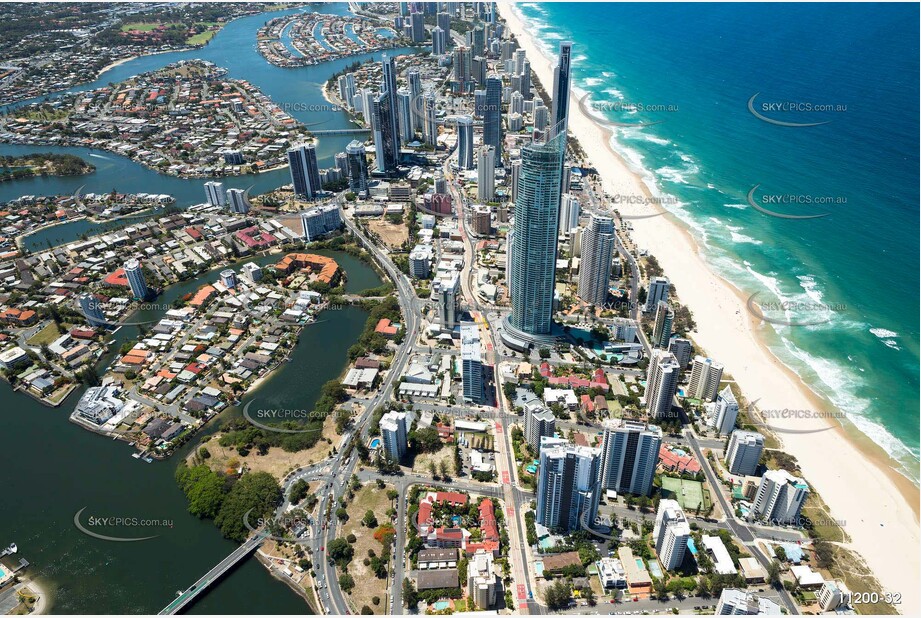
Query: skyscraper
{"type": "Point", "coordinates": [779, 498]}
{"type": "Point", "coordinates": [415, 93]}
{"type": "Point", "coordinates": [92, 310]}
{"type": "Point", "coordinates": [744, 452]}
{"type": "Point", "coordinates": [136, 281]}
{"type": "Point", "coordinates": [629, 454]}
{"type": "Point", "coordinates": [595, 267]}
{"type": "Point", "coordinates": [671, 533]}
{"type": "Point", "coordinates": [237, 202]}
{"type": "Point", "coordinates": [439, 41]}
{"type": "Point", "coordinates": [418, 27]}
{"type": "Point", "coordinates": [305, 173]}
{"type": "Point", "coordinates": [570, 212]}
{"type": "Point", "coordinates": [724, 412]}
{"type": "Point", "coordinates": [705, 379]}
{"type": "Point", "coordinates": [430, 126]}
{"type": "Point", "coordinates": [681, 348]}
{"type": "Point", "coordinates": [561, 85]}
{"type": "Point", "coordinates": [513, 178]}
{"type": "Point", "coordinates": [393, 433]}
{"type": "Point", "coordinates": [444, 22]}
{"type": "Point", "coordinates": [658, 291]}
{"type": "Point", "coordinates": [444, 292]}
{"type": "Point", "coordinates": [214, 192]}
{"type": "Point", "coordinates": [358, 167]}
{"type": "Point", "coordinates": [465, 142]}
{"type": "Point", "coordinates": [532, 262]}
{"type": "Point", "coordinates": [492, 115]}
{"type": "Point", "coordinates": [471, 362]}
{"type": "Point", "coordinates": [384, 131]}
{"type": "Point", "coordinates": [346, 85]}
{"type": "Point", "coordinates": [567, 489]}
{"type": "Point", "coordinates": [320, 221]}
{"type": "Point", "coordinates": [405, 114]}
{"type": "Point", "coordinates": [661, 383]}
{"type": "Point", "coordinates": [342, 164]}
{"type": "Point", "coordinates": [486, 174]}
{"type": "Point", "coordinates": [662, 327]}
{"type": "Point", "coordinates": [539, 421]}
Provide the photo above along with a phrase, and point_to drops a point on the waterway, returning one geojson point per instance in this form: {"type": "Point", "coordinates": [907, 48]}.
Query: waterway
{"type": "Point", "coordinates": [297, 90]}
{"type": "Point", "coordinates": [52, 468]}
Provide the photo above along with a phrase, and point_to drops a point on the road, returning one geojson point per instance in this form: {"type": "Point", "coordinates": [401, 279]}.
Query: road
{"type": "Point", "coordinates": [325, 528]}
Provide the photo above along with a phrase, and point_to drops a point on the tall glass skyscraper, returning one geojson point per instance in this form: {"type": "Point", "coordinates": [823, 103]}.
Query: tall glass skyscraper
{"type": "Point", "coordinates": [492, 116]}
{"type": "Point", "coordinates": [561, 85]}
{"type": "Point", "coordinates": [532, 265]}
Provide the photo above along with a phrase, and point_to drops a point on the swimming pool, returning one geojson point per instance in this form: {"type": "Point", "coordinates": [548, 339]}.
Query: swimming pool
{"type": "Point", "coordinates": [375, 443]}
{"type": "Point", "coordinates": [442, 605]}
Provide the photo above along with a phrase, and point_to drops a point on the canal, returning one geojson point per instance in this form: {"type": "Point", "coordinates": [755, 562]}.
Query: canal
{"type": "Point", "coordinates": [52, 468]}
{"type": "Point", "coordinates": [297, 90]}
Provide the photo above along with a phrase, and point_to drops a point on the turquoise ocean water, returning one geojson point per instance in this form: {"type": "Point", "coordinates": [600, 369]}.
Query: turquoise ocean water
{"type": "Point", "coordinates": [692, 70]}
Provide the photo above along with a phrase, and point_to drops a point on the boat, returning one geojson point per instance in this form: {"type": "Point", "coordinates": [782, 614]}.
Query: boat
{"type": "Point", "coordinates": [136, 455]}
{"type": "Point", "coordinates": [111, 342]}
{"type": "Point", "coordinates": [148, 459]}
{"type": "Point", "coordinates": [131, 444]}
{"type": "Point", "coordinates": [12, 549]}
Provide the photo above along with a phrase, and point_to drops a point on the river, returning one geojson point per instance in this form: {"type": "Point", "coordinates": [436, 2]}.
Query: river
{"type": "Point", "coordinates": [297, 90]}
{"type": "Point", "coordinates": [53, 468]}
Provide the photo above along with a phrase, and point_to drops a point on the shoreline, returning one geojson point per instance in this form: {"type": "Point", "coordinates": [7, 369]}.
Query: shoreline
{"type": "Point", "coordinates": [834, 455]}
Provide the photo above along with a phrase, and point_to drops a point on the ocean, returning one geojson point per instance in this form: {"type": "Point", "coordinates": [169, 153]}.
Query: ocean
{"type": "Point", "coordinates": [689, 82]}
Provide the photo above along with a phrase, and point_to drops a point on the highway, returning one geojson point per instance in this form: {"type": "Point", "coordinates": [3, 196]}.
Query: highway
{"type": "Point", "coordinates": [337, 478]}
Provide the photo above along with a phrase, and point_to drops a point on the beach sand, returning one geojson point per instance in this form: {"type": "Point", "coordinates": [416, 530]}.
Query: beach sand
{"type": "Point", "coordinates": [876, 506]}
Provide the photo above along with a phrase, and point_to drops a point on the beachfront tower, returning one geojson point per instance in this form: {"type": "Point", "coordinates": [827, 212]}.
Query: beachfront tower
{"type": "Point", "coordinates": [471, 362]}
{"type": "Point", "coordinates": [532, 261]}
{"type": "Point", "coordinates": [136, 281]}
{"type": "Point", "coordinates": [595, 267]}
{"type": "Point", "coordinates": [661, 383]}
{"type": "Point", "coordinates": [561, 87]}
{"type": "Point", "coordinates": [658, 291]}
{"type": "Point", "coordinates": [629, 454]}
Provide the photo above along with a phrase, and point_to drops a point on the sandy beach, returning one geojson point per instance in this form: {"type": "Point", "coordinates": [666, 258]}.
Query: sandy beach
{"type": "Point", "coordinates": [875, 506]}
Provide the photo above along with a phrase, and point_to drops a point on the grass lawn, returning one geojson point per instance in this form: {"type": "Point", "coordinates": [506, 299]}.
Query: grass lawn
{"type": "Point", "coordinates": [46, 335]}
{"type": "Point", "coordinates": [689, 494]}
{"type": "Point", "coordinates": [367, 585]}
{"type": "Point", "coordinates": [201, 38]}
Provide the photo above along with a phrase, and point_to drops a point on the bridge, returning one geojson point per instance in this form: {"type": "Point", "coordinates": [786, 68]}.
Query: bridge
{"type": "Point", "coordinates": [187, 596]}
{"type": "Point", "coordinates": [354, 131]}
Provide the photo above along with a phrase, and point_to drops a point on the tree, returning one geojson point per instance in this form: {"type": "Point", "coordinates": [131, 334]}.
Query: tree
{"type": "Point", "coordinates": [342, 514]}
{"type": "Point", "coordinates": [346, 582]}
{"type": "Point", "coordinates": [369, 520]}
{"type": "Point", "coordinates": [410, 596]}
{"type": "Point", "coordinates": [340, 552]}
{"type": "Point", "coordinates": [773, 573]}
{"type": "Point", "coordinates": [203, 488]}
{"type": "Point", "coordinates": [366, 611]}
{"type": "Point", "coordinates": [557, 595]}
{"type": "Point", "coordinates": [299, 491]}
{"type": "Point", "coordinates": [254, 496]}
{"type": "Point", "coordinates": [589, 595]}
